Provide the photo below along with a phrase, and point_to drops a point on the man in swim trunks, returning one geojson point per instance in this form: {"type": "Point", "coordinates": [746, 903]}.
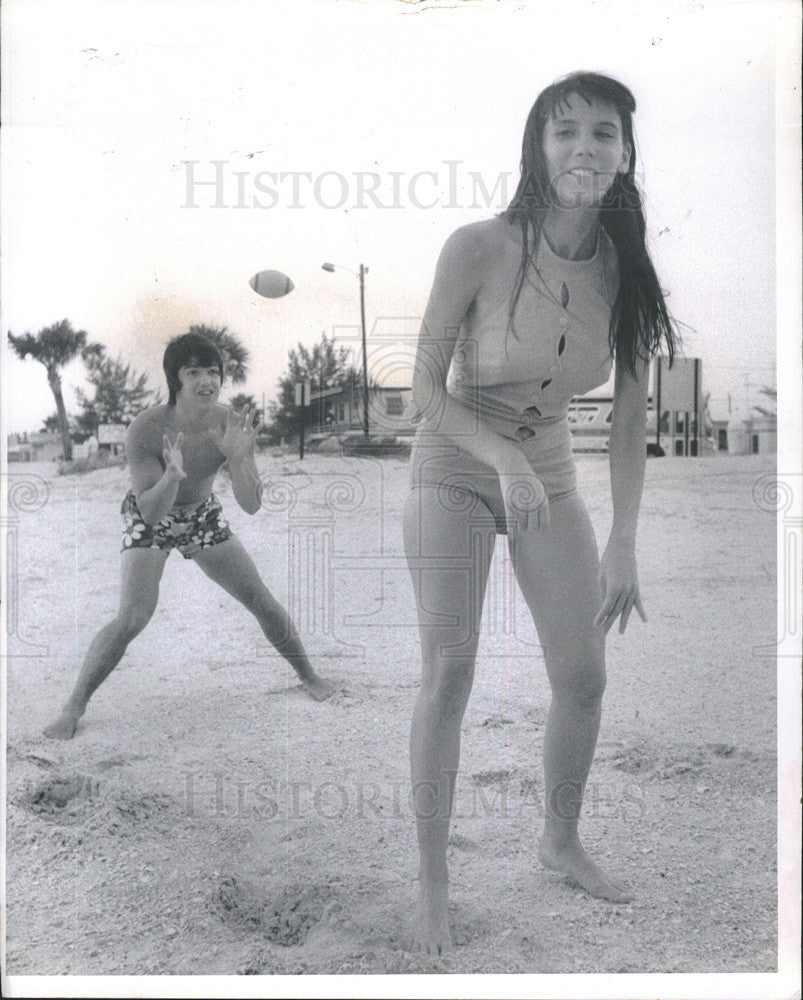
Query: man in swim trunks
{"type": "Point", "coordinates": [174, 453]}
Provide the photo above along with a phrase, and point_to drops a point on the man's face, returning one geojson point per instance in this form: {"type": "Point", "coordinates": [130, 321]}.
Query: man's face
{"type": "Point", "coordinates": [200, 384]}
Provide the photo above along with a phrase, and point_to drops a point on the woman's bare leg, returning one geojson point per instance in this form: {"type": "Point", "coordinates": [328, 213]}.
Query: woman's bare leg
{"type": "Point", "coordinates": [557, 570]}
{"type": "Point", "coordinates": [449, 554]}
{"type": "Point", "coordinates": [140, 574]}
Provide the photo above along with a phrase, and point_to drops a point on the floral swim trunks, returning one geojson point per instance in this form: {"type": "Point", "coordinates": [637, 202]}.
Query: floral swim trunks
{"type": "Point", "coordinates": [187, 529]}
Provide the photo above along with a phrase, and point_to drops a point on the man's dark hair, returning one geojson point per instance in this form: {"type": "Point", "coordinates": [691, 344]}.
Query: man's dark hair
{"type": "Point", "coordinates": [184, 350]}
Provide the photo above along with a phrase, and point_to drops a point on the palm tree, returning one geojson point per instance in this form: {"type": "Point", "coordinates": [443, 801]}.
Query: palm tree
{"type": "Point", "coordinates": [243, 401]}
{"type": "Point", "coordinates": [235, 354]}
{"type": "Point", "coordinates": [55, 347]}
{"type": "Point", "coordinates": [770, 411]}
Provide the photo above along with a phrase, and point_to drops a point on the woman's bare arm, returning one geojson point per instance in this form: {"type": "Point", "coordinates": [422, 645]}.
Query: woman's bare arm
{"type": "Point", "coordinates": [628, 456]}
{"type": "Point", "coordinates": [461, 269]}
{"type": "Point", "coordinates": [627, 450]}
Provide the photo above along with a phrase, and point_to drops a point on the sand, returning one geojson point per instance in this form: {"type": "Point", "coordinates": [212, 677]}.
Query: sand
{"type": "Point", "coordinates": [209, 818]}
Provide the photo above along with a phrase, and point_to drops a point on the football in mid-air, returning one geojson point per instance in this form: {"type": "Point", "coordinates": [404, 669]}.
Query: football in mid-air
{"type": "Point", "coordinates": [271, 284]}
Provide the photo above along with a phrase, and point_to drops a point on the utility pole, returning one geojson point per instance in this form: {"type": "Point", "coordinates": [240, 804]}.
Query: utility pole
{"type": "Point", "coordinates": [363, 270]}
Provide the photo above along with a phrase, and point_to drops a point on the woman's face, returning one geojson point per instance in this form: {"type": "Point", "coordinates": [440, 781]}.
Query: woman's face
{"type": "Point", "coordinates": [584, 150]}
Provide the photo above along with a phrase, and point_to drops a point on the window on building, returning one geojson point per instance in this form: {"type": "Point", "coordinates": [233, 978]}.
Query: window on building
{"type": "Point", "coordinates": [394, 405]}
{"type": "Point", "coordinates": [583, 414]}
{"type": "Point", "coordinates": [722, 439]}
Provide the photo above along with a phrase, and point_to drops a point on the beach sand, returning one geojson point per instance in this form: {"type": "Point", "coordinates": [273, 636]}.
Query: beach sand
{"type": "Point", "coordinates": [210, 818]}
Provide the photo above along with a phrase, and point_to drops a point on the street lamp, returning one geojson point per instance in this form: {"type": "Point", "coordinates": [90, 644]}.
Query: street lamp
{"type": "Point", "coordinates": [361, 275]}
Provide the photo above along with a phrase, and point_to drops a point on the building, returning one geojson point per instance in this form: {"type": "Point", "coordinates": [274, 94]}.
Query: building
{"type": "Point", "coordinates": [756, 435]}
{"type": "Point", "coordinates": [391, 413]}
{"type": "Point", "coordinates": [741, 431]}
{"type": "Point", "coordinates": [34, 447]}
{"type": "Point", "coordinates": [340, 412]}
{"type": "Point", "coordinates": [590, 422]}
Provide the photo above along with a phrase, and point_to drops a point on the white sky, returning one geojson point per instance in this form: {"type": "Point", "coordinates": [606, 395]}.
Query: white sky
{"type": "Point", "coordinates": [103, 102]}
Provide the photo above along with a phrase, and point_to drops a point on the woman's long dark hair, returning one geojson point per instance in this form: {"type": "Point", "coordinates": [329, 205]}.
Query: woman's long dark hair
{"type": "Point", "coordinates": [639, 318]}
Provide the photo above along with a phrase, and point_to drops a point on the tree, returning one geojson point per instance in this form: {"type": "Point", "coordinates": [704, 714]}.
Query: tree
{"type": "Point", "coordinates": [50, 425]}
{"type": "Point", "coordinates": [771, 411]}
{"type": "Point", "coordinates": [326, 366]}
{"type": "Point", "coordinates": [54, 347]}
{"type": "Point", "coordinates": [121, 392]}
{"type": "Point", "coordinates": [234, 353]}
{"type": "Point", "coordinates": [243, 401]}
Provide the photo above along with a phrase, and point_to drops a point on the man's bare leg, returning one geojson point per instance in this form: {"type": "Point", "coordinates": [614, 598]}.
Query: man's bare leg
{"type": "Point", "coordinates": [141, 572]}
{"type": "Point", "coordinates": [230, 566]}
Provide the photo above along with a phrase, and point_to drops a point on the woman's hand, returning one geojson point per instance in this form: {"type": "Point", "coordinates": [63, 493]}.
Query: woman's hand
{"type": "Point", "coordinates": [239, 437]}
{"type": "Point", "coordinates": [619, 581]}
{"type": "Point", "coordinates": [171, 453]}
{"type": "Point", "coordinates": [526, 503]}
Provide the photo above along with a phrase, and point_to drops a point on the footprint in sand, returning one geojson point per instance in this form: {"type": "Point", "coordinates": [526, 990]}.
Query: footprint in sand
{"type": "Point", "coordinates": [327, 944]}
{"type": "Point", "coordinates": [495, 777]}
{"type": "Point", "coordinates": [463, 843]}
{"type": "Point", "coordinates": [653, 761]}
{"type": "Point", "coordinates": [38, 759]}
{"type": "Point", "coordinates": [496, 722]}
{"type": "Point", "coordinates": [109, 763]}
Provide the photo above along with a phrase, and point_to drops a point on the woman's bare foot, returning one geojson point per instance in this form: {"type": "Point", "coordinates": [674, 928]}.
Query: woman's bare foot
{"type": "Point", "coordinates": [318, 687]}
{"type": "Point", "coordinates": [430, 930]}
{"type": "Point", "coordinates": [572, 860]}
{"type": "Point", "coordinates": [64, 726]}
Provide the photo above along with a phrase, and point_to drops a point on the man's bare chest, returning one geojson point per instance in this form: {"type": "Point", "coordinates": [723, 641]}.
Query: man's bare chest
{"type": "Point", "coordinates": [200, 454]}
{"type": "Point", "coordinates": [202, 457]}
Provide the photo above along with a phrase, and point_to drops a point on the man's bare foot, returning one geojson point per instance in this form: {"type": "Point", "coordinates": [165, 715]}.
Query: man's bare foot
{"type": "Point", "coordinates": [573, 861]}
{"type": "Point", "coordinates": [430, 930]}
{"type": "Point", "coordinates": [318, 687]}
{"type": "Point", "coordinates": [64, 727]}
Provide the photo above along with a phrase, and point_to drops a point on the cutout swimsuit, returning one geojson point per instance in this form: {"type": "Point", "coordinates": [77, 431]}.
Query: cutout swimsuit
{"type": "Point", "coordinates": [518, 379]}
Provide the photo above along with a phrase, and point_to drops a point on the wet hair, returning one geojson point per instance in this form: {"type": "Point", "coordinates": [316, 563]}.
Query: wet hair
{"type": "Point", "coordinates": [639, 318]}
{"type": "Point", "coordinates": [184, 350]}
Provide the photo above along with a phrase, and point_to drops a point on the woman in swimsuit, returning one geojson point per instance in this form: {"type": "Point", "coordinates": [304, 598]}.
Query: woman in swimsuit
{"type": "Point", "coordinates": [527, 310]}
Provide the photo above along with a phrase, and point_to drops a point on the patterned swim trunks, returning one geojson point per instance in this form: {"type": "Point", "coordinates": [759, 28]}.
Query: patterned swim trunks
{"type": "Point", "coordinates": [186, 529]}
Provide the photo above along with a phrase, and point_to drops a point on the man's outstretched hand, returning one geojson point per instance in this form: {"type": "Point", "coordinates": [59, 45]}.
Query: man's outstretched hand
{"type": "Point", "coordinates": [171, 453]}
{"type": "Point", "coordinates": [238, 439]}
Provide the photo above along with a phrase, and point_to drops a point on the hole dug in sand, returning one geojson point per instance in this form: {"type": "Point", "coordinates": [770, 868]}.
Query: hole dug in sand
{"type": "Point", "coordinates": [285, 919]}
{"type": "Point", "coordinates": [63, 798]}
{"type": "Point", "coordinates": [69, 798]}
{"type": "Point", "coordinates": [295, 911]}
